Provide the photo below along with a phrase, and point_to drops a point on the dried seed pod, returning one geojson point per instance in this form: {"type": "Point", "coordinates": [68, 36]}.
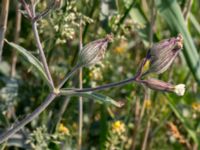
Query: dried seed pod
{"type": "Point", "coordinates": [93, 52]}
{"type": "Point", "coordinates": [164, 86]}
{"type": "Point", "coordinates": [162, 54]}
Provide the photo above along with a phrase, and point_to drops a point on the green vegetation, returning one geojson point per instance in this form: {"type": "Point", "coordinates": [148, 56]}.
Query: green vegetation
{"type": "Point", "coordinates": [100, 74]}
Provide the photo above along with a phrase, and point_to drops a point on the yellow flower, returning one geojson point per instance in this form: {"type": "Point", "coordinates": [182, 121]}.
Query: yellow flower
{"type": "Point", "coordinates": [63, 129]}
{"type": "Point", "coordinates": [146, 66]}
{"type": "Point", "coordinates": [147, 103]}
{"type": "Point", "coordinates": [118, 127]}
{"type": "Point", "coordinates": [196, 106]}
{"type": "Point", "coordinates": [121, 48]}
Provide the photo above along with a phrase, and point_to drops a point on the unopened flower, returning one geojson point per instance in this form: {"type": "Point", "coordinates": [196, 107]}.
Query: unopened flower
{"type": "Point", "coordinates": [162, 54]}
{"type": "Point", "coordinates": [156, 84]}
{"type": "Point", "coordinates": [179, 89]}
{"type": "Point", "coordinates": [93, 52]}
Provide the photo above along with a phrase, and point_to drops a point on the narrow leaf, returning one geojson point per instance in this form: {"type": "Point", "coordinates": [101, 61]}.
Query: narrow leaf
{"type": "Point", "coordinates": [91, 95]}
{"type": "Point", "coordinates": [32, 59]}
{"type": "Point", "coordinates": [194, 22]}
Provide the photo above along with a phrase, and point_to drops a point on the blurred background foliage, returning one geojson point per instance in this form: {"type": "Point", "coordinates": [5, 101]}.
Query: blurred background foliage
{"type": "Point", "coordinates": [148, 120]}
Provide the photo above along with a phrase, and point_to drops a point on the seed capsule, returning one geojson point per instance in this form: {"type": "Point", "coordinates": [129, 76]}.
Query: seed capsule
{"type": "Point", "coordinates": [162, 54]}
{"type": "Point", "coordinates": [93, 52]}
{"type": "Point", "coordinates": [164, 86]}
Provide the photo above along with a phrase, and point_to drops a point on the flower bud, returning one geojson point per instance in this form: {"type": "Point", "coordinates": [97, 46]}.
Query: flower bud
{"type": "Point", "coordinates": [162, 54]}
{"type": "Point", "coordinates": [93, 52]}
{"type": "Point", "coordinates": [164, 86]}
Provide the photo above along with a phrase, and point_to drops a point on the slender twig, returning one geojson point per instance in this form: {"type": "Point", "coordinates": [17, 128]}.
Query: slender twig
{"type": "Point", "coordinates": [27, 8]}
{"type": "Point", "coordinates": [62, 110]}
{"type": "Point", "coordinates": [3, 23]}
{"type": "Point", "coordinates": [41, 51]}
{"type": "Point", "coordinates": [16, 39]}
{"type": "Point", "coordinates": [136, 122]}
{"type": "Point", "coordinates": [68, 76]}
{"type": "Point", "coordinates": [138, 119]}
{"type": "Point", "coordinates": [106, 86]}
{"type": "Point", "coordinates": [16, 127]}
{"type": "Point", "coordinates": [80, 98]}
{"type": "Point", "coordinates": [135, 78]}
{"type": "Point", "coordinates": [146, 135]}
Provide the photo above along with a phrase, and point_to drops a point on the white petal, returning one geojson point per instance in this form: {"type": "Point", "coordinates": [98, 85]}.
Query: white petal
{"type": "Point", "coordinates": [179, 89]}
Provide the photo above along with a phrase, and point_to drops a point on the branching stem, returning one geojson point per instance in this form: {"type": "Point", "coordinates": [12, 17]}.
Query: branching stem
{"type": "Point", "coordinates": [41, 51]}
{"type": "Point", "coordinates": [4, 136]}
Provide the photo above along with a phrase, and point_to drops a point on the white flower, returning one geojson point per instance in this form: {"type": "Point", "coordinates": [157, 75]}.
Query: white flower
{"type": "Point", "coordinates": [179, 89]}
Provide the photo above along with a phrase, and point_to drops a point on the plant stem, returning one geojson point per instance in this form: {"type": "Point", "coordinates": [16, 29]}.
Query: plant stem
{"type": "Point", "coordinates": [80, 98]}
{"type": "Point", "coordinates": [144, 144]}
{"type": "Point", "coordinates": [16, 39]}
{"type": "Point", "coordinates": [16, 127]}
{"type": "Point", "coordinates": [68, 76]}
{"type": "Point", "coordinates": [106, 86]}
{"type": "Point", "coordinates": [3, 23]}
{"type": "Point", "coordinates": [80, 111]}
{"type": "Point", "coordinates": [62, 110]}
{"type": "Point", "coordinates": [41, 51]}
{"type": "Point", "coordinates": [138, 119]}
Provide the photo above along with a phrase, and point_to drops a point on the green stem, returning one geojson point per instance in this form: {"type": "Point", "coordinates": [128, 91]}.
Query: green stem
{"type": "Point", "coordinates": [41, 51]}
{"type": "Point", "coordinates": [106, 86]}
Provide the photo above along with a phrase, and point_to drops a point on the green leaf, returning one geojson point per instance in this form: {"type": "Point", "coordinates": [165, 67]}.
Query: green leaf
{"type": "Point", "coordinates": [185, 123]}
{"type": "Point", "coordinates": [103, 99]}
{"type": "Point", "coordinates": [32, 59]}
{"type": "Point", "coordinates": [91, 95]}
{"type": "Point", "coordinates": [194, 22]}
{"type": "Point", "coordinates": [171, 13]}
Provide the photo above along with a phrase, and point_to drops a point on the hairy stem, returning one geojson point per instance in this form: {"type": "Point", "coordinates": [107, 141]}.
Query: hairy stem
{"type": "Point", "coordinates": [41, 51]}
{"type": "Point", "coordinates": [16, 127]}
{"type": "Point", "coordinates": [68, 76]}
{"type": "Point", "coordinates": [106, 86]}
